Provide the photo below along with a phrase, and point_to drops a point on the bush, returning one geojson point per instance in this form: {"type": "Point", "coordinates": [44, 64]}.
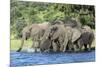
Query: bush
{"type": "Point", "coordinates": [20, 24]}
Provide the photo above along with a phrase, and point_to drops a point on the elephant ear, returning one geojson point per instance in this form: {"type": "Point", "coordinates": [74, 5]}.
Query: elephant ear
{"type": "Point", "coordinates": [76, 34]}
{"type": "Point", "coordinates": [56, 33]}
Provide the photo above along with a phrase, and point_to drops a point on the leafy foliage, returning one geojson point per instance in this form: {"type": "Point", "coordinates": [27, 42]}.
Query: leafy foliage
{"type": "Point", "coordinates": [25, 13]}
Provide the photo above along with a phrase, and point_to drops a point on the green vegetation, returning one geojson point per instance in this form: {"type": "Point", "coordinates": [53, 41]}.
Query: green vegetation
{"type": "Point", "coordinates": [15, 44]}
{"type": "Point", "coordinates": [24, 13]}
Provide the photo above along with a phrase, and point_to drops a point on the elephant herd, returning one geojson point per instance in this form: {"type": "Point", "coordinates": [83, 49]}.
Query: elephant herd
{"type": "Point", "coordinates": [58, 36]}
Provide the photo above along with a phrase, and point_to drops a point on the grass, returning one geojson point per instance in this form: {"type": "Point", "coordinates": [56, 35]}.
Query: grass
{"type": "Point", "coordinates": [15, 44]}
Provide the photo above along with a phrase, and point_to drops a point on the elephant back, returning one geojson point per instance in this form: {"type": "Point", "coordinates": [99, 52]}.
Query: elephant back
{"type": "Point", "coordinates": [44, 25]}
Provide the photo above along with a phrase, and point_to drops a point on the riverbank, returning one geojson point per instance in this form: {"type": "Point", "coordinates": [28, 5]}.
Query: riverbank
{"type": "Point", "coordinates": [15, 44]}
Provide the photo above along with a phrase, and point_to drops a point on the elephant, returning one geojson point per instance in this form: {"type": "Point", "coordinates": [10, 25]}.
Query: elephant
{"type": "Point", "coordinates": [46, 42]}
{"type": "Point", "coordinates": [63, 35]}
{"type": "Point", "coordinates": [35, 31]}
{"type": "Point", "coordinates": [57, 35]}
{"type": "Point", "coordinates": [86, 38]}
{"type": "Point", "coordinates": [72, 34]}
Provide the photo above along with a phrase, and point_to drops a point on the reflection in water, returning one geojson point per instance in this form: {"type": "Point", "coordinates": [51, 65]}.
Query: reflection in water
{"type": "Point", "coordinates": [25, 59]}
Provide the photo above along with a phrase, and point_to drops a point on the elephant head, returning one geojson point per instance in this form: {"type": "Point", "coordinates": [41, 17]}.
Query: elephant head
{"type": "Point", "coordinates": [57, 34]}
{"type": "Point", "coordinates": [26, 32]}
{"type": "Point", "coordinates": [45, 41]}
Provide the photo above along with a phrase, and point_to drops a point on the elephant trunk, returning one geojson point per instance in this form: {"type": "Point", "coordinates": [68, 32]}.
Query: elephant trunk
{"type": "Point", "coordinates": [22, 43]}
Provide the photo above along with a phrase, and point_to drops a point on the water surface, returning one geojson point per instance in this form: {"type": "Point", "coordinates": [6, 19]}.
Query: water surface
{"type": "Point", "coordinates": [26, 59]}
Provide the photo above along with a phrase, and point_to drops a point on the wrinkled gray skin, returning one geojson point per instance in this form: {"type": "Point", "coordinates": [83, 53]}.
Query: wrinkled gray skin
{"type": "Point", "coordinates": [61, 35]}
{"type": "Point", "coordinates": [45, 42]}
{"type": "Point", "coordinates": [45, 46]}
{"type": "Point", "coordinates": [75, 35]}
{"type": "Point", "coordinates": [86, 38]}
{"type": "Point", "coordinates": [57, 35]}
{"type": "Point", "coordinates": [35, 31]}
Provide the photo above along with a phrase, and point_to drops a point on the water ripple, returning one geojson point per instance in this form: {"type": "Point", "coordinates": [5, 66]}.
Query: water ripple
{"type": "Point", "coordinates": [25, 59]}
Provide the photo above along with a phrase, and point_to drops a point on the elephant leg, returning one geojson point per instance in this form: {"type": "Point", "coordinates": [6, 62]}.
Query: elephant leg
{"type": "Point", "coordinates": [61, 48]}
{"type": "Point", "coordinates": [90, 43]}
{"type": "Point", "coordinates": [70, 47]}
{"type": "Point", "coordinates": [65, 45]}
{"type": "Point", "coordinates": [67, 48]}
{"type": "Point", "coordinates": [37, 46]}
{"type": "Point", "coordinates": [55, 47]}
{"type": "Point", "coordinates": [89, 48]}
{"type": "Point", "coordinates": [64, 48]}
{"type": "Point", "coordinates": [75, 47]}
{"type": "Point", "coordinates": [85, 45]}
{"type": "Point", "coordinates": [58, 43]}
{"type": "Point", "coordinates": [32, 45]}
{"type": "Point", "coordinates": [80, 44]}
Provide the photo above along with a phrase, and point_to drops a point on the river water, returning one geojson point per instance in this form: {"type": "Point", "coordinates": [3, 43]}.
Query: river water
{"type": "Point", "coordinates": [28, 59]}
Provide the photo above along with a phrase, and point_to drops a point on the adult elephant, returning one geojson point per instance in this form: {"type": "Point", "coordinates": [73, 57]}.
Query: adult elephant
{"type": "Point", "coordinates": [63, 35]}
{"type": "Point", "coordinates": [86, 38]}
{"type": "Point", "coordinates": [47, 43]}
{"type": "Point", "coordinates": [35, 31]}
